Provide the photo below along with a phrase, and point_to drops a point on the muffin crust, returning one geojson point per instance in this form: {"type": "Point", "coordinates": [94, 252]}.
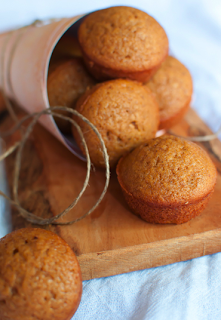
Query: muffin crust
{"type": "Point", "coordinates": [66, 82]}
{"type": "Point", "coordinates": [172, 87]}
{"type": "Point", "coordinates": [39, 276]}
{"type": "Point", "coordinates": [167, 180]}
{"type": "Point", "coordinates": [124, 112]}
{"type": "Point", "coordinates": [122, 42]}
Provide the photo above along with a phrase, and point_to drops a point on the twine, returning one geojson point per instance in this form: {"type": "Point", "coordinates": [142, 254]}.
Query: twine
{"type": "Point", "coordinates": [20, 145]}
{"type": "Point", "coordinates": [205, 138]}
{"type": "Point", "coordinates": [25, 134]}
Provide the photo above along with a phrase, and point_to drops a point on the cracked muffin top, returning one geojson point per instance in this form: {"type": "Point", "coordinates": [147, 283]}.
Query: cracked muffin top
{"type": "Point", "coordinates": [123, 39]}
{"type": "Point", "coordinates": [39, 276]}
{"type": "Point", "coordinates": [167, 171]}
{"type": "Point", "coordinates": [124, 112]}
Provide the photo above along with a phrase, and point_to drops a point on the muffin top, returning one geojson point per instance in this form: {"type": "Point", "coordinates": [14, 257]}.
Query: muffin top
{"type": "Point", "coordinates": [40, 277]}
{"type": "Point", "coordinates": [172, 87]}
{"type": "Point", "coordinates": [124, 112]}
{"type": "Point", "coordinates": [123, 38]}
{"type": "Point", "coordinates": [167, 171]}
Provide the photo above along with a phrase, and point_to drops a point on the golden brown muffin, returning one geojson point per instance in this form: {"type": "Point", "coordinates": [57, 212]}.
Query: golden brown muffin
{"type": "Point", "coordinates": [124, 112]}
{"type": "Point", "coordinates": [172, 87]}
{"type": "Point", "coordinates": [122, 42]}
{"type": "Point", "coordinates": [167, 180]}
{"type": "Point", "coordinates": [40, 276]}
{"type": "Point", "coordinates": [66, 82]}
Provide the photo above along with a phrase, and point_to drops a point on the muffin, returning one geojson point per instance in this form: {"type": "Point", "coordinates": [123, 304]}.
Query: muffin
{"type": "Point", "coordinates": [124, 112]}
{"type": "Point", "coordinates": [172, 87]}
{"type": "Point", "coordinates": [122, 42]}
{"type": "Point", "coordinates": [66, 82]}
{"type": "Point", "coordinates": [167, 180]}
{"type": "Point", "coordinates": [39, 276]}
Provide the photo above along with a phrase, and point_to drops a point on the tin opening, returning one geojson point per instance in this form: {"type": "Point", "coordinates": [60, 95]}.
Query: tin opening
{"type": "Point", "coordinates": [66, 48]}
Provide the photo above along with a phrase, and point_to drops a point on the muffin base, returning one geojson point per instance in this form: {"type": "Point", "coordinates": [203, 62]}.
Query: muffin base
{"type": "Point", "coordinates": [167, 123]}
{"type": "Point", "coordinates": [176, 214]}
{"type": "Point", "coordinates": [103, 73]}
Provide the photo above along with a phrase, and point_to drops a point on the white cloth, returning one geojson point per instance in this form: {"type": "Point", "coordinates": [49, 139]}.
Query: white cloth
{"type": "Point", "coordinates": [182, 291]}
{"type": "Point", "coordinates": [187, 290]}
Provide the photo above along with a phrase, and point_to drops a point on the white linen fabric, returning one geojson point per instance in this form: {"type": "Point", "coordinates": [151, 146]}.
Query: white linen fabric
{"type": "Point", "coordinates": [186, 290]}
{"type": "Point", "coordinates": [182, 291]}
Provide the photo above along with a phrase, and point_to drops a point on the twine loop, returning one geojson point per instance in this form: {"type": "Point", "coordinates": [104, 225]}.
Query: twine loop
{"type": "Point", "coordinates": [19, 147]}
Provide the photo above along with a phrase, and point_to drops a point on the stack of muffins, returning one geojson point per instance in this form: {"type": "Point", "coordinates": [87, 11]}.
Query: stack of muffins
{"type": "Point", "coordinates": [118, 75]}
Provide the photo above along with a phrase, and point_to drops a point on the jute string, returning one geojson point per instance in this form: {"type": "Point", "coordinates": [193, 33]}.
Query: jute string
{"type": "Point", "coordinates": [205, 138]}
{"type": "Point", "coordinates": [25, 134]}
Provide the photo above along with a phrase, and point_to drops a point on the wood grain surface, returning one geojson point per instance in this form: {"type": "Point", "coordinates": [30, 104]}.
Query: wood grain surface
{"type": "Point", "coordinates": [111, 240]}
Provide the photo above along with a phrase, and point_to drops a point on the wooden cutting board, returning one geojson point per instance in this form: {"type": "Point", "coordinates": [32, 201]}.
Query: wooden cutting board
{"type": "Point", "coordinates": [112, 240]}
